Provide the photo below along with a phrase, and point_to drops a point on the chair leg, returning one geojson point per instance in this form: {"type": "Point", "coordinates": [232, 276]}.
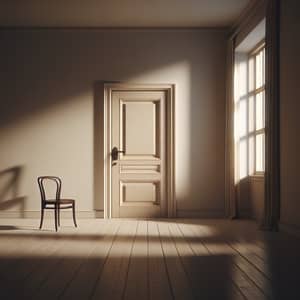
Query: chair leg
{"type": "Point", "coordinates": [58, 215]}
{"type": "Point", "coordinates": [42, 218]}
{"type": "Point", "coordinates": [74, 219]}
{"type": "Point", "coordinates": [55, 217]}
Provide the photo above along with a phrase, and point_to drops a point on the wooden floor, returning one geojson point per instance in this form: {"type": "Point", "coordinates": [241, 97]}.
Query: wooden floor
{"type": "Point", "coordinates": [147, 259]}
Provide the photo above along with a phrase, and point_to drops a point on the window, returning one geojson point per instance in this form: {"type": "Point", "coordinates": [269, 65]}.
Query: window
{"type": "Point", "coordinates": [250, 108]}
{"type": "Point", "coordinates": [256, 110]}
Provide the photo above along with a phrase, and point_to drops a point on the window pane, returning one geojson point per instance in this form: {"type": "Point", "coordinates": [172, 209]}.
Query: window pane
{"type": "Point", "coordinates": [242, 124]}
{"type": "Point", "coordinates": [251, 74]}
{"type": "Point", "coordinates": [243, 161]}
{"type": "Point", "coordinates": [260, 111]}
{"type": "Point", "coordinates": [259, 70]}
{"type": "Point", "coordinates": [260, 153]}
{"type": "Point", "coordinates": [251, 114]}
{"type": "Point", "coordinates": [241, 78]}
{"type": "Point", "coordinates": [251, 155]}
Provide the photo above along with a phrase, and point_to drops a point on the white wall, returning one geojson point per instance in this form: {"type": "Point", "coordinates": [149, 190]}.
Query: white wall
{"type": "Point", "coordinates": [47, 109]}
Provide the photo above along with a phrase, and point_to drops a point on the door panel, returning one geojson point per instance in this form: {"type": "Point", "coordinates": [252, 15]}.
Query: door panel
{"type": "Point", "coordinates": [140, 126]}
{"type": "Point", "coordinates": [139, 193]}
{"type": "Point", "coordinates": [138, 175]}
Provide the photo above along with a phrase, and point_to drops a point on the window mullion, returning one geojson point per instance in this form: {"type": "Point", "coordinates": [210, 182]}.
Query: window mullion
{"type": "Point", "coordinates": [248, 117]}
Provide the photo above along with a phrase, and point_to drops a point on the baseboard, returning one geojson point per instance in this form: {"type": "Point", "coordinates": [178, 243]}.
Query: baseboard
{"type": "Point", "coordinates": [203, 214]}
{"type": "Point", "coordinates": [34, 214]}
{"type": "Point", "coordinates": [181, 213]}
{"type": "Point", "coordinates": [245, 214]}
{"type": "Point", "coordinates": [290, 229]}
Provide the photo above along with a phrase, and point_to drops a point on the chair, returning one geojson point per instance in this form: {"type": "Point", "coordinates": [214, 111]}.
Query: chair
{"type": "Point", "coordinates": [57, 204]}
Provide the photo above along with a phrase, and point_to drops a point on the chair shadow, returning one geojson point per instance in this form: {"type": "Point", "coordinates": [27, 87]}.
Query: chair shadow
{"type": "Point", "coordinates": [10, 180]}
{"type": "Point", "coordinates": [8, 227]}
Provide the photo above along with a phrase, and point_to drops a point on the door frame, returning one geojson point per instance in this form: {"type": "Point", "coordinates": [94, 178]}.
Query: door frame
{"type": "Point", "coordinates": [108, 89]}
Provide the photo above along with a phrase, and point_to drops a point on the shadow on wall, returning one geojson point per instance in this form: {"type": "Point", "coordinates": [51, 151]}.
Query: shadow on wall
{"type": "Point", "coordinates": [10, 188]}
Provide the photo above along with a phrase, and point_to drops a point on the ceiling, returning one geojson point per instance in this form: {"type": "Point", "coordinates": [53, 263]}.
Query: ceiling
{"type": "Point", "coordinates": [120, 13]}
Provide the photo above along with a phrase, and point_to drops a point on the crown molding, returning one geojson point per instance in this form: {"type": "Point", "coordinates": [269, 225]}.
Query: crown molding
{"type": "Point", "coordinates": [254, 8]}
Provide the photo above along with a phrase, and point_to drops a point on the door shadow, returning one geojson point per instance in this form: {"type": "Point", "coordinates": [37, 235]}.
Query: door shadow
{"type": "Point", "coordinates": [10, 180]}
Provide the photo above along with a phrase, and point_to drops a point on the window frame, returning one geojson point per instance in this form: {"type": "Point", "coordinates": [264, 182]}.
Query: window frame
{"type": "Point", "coordinates": [261, 46]}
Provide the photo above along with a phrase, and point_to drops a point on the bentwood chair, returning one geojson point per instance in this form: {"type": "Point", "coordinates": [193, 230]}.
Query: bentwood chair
{"type": "Point", "coordinates": [56, 204]}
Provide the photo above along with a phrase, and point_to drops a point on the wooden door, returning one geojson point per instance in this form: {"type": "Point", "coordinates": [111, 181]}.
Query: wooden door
{"type": "Point", "coordinates": [139, 172]}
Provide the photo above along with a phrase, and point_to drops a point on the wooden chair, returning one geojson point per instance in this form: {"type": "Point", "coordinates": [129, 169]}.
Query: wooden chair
{"type": "Point", "coordinates": [56, 204]}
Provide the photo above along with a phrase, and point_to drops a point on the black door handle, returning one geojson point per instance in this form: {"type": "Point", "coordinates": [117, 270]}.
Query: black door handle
{"type": "Point", "coordinates": [115, 153]}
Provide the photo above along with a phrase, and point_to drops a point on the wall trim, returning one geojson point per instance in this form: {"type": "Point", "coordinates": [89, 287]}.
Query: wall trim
{"type": "Point", "coordinates": [180, 213]}
{"type": "Point", "coordinates": [36, 214]}
{"type": "Point", "coordinates": [201, 213]}
{"type": "Point", "coordinates": [246, 214]}
{"type": "Point", "coordinates": [290, 229]}
{"type": "Point", "coordinates": [248, 19]}
{"type": "Point", "coordinates": [101, 29]}
{"type": "Point", "coordinates": [256, 178]}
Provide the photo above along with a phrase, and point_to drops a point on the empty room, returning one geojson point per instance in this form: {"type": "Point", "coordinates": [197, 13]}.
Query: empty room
{"type": "Point", "coordinates": [149, 149]}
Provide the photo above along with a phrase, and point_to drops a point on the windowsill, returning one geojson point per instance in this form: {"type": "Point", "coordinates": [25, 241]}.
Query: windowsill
{"type": "Point", "coordinates": [257, 176]}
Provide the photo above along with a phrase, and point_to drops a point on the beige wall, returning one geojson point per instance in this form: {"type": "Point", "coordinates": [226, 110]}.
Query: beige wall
{"type": "Point", "coordinates": [289, 112]}
{"type": "Point", "coordinates": [257, 197]}
{"type": "Point", "coordinates": [47, 109]}
{"type": "Point", "coordinates": [251, 194]}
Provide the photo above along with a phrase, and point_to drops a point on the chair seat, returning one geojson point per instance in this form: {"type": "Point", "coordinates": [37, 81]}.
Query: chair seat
{"type": "Point", "coordinates": [61, 201]}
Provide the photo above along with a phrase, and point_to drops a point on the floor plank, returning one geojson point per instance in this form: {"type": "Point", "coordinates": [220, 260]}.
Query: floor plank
{"type": "Point", "coordinates": [137, 279]}
{"type": "Point", "coordinates": [244, 270]}
{"type": "Point", "coordinates": [211, 274]}
{"type": "Point", "coordinates": [159, 284]}
{"type": "Point", "coordinates": [180, 284]}
{"type": "Point", "coordinates": [112, 281]}
{"type": "Point", "coordinates": [57, 268]}
{"type": "Point", "coordinates": [82, 284]}
{"type": "Point", "coordinates": [147, 259]}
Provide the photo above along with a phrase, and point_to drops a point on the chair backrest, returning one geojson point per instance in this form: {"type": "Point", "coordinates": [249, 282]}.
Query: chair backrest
{"type": "Point", "coordinates": [42, 179]}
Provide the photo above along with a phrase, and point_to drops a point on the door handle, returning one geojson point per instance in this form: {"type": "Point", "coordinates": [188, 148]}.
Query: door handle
{"type": "Point", "coordinates": [115, 153]}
